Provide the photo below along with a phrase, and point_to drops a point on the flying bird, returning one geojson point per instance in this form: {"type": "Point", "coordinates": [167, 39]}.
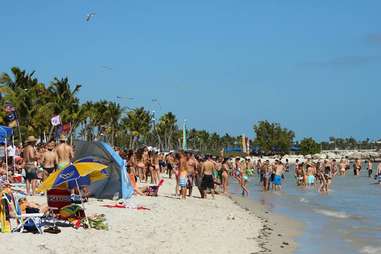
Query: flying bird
{"type": "Point", "coordinates": [89, 16]}
{"type": "Point", "coordinates": [106, 67]}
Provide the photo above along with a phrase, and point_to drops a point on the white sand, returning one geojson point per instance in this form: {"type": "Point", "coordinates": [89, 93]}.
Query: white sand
{"type": "Point", "coordinates": [171, 226]}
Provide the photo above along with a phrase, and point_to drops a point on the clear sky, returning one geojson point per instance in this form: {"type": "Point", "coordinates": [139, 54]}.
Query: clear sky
{"type": "Point", "coordinates": [313, 66]}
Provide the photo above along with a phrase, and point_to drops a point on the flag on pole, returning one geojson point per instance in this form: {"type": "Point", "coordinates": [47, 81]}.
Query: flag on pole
{"type": "Point", "coordinates": [56, 120]}
{"type": "Point", "coordinates": [184, 137]}
{"type": "Point", "coordinates": [244, 146]}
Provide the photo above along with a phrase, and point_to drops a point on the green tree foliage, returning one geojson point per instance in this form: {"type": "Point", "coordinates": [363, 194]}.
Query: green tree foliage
{"type": "Point", "coordinates": [272, 138]}
{"type": "Point", "coordinates": [309, 146]}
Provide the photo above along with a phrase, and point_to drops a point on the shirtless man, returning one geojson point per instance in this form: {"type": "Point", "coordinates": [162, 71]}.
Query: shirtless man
{"type": "Point", "coordinates": [207, 180]}
{"type": "Point", "coordinates": [49, 160]}
{"type": "Point", "coordinates": [191, 167]}
{"type": "Point", "coordinates": [30, 158]}
{"type": "Point", "coordinates": [279, 169]}
{"type": "Point", "coordinates": [170, 164]}
{"type": "Point", "coordinates": [64, 152]}
{"type": "Point", "coordinates": [370, 168]}
{"type": "Point", "coordinates": [378, 176]}
{"type": "Point", "coordinates": [311, 171]}
{"type": "Point", "coordinates": [342, 166]}
{"type": "Point", "coordinates": [357, 167]}
{"type": "Point", "coordinates": [287, 166]}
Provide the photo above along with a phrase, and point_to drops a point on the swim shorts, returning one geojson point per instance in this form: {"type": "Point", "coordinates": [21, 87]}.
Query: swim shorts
{"type": "Point", "coordinates": [207, 182]}
{"type": "Point", "coordinates": [277, 180]}
{"type": "Point", "coordinates": [49, 170]}
{"type": "Point", "coordinates": [183, 182]}
{"type": "Point", "coordinates": [30, 172]}
{"type": "Point", "coordinates": [310, 180]}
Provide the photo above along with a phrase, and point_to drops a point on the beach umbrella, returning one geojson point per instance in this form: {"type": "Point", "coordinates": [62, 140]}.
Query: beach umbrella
{"type": "Point", "coordinates": [72, 173]}
{"type": "Point", "coordinates": [90, 178]}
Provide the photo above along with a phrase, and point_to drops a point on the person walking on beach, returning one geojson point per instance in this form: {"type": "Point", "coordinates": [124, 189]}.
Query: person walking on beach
{"type": "Point", "coordinates": [65, 153]}
{"type": "Point", "coordinates": [191, 167]}
{"type": "Point", "coordinates": [207, 182]}
{"type": "Point", "coordinates": [30, 159]}
{"type": "Point", "coordinates": [183, 172]}
{"type": "Point", "coordinates": [49, 160]}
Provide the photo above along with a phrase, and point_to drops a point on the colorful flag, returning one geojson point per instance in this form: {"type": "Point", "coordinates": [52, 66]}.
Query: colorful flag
{"type": "Point", "coordinates": [11, 117]}
{"type": "Point", "coordinates": [56, 120]}
{"type": "Point", "coordinates": [66, 128]}
{"type": "Point", "coordinates": [244, 146]}
{"type": "Point", "coordinates": [9, 108]}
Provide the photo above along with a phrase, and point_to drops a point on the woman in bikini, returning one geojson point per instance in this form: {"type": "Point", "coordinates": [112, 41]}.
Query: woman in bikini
{"type": "Point", "coordinates": [225, 176]}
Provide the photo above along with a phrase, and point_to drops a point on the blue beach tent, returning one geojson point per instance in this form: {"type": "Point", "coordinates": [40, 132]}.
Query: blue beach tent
{"type": "Point", "coordinates": [118, 184]}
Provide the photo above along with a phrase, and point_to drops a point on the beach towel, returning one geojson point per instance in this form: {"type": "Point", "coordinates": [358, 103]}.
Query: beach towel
{"type": "Point", "coordinates": [126, 206]}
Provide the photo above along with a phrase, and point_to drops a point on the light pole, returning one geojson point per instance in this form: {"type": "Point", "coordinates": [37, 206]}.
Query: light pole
{"type": "Point", "coordinates": [154, 128]}
{"type": "Point", "coordinates": [185, 135]}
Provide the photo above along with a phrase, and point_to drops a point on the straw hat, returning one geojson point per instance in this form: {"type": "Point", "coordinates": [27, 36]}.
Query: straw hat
{"type": "Point", "coordinates": [62, 138]}
{"type": "Point", "coordinates": [31, 139]}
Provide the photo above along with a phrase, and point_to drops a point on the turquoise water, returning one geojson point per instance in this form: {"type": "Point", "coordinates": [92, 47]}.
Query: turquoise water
{"type": "Point", "coordinates": [347, 220]}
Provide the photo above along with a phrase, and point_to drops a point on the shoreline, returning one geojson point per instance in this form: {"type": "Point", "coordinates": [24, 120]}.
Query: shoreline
{"type": "Point", "coordinates": [278, 233]}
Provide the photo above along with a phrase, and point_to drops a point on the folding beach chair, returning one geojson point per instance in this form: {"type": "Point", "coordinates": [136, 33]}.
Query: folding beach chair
{"type": "Point", "coordinates": [30, 222]}
{"type": "Point", "coordinates": [154, 190]}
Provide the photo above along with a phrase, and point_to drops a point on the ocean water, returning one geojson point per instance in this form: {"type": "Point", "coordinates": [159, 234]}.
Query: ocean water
{"type": "Point", "coordinates": [346, 220]}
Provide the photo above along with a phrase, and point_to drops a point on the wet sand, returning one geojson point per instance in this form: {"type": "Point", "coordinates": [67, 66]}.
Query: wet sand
{"type": "Point", "coordinates": [278, 233]}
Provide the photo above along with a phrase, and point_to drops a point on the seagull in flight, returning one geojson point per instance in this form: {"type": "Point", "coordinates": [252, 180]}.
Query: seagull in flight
{"type": "Point", "coordinates": [89, 16]}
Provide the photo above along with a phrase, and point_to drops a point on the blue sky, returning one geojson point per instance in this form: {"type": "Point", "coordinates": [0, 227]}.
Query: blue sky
{"type": "Point", "coordinates": [313, 66]}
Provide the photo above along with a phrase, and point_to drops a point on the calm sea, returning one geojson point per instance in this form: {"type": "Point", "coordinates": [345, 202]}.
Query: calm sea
{"type": "Point", "coordinates": [347, 220]}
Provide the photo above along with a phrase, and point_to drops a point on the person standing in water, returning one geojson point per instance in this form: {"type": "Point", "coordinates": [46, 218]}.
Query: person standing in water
{"type": "Point", "coordinates": [342, 166]}
{"type": "Point", "coordinates": [279, 169]}
{"type": "Point", "coordinates": [378, 175]}
{"type": "Point", "coordinates": [357, 167]}
{"type": "Point", "coordinates": [370, 168]}
{"type": "Point", "coordinates": [65, 153]}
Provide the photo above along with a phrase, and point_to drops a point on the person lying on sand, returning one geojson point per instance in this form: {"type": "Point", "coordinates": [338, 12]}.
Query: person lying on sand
{"type": "Point", "coordinates": [32, 207]}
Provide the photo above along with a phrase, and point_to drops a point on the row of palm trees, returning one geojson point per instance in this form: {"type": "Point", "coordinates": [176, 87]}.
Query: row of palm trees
{"type": "Point", "coordinates": [36, 103]}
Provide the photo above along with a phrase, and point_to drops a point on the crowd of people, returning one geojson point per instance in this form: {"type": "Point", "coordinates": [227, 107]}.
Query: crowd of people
{"type": "Point", "coordinates": [34, 163]}
{"type": "Point", "coordinates": [210, 174]}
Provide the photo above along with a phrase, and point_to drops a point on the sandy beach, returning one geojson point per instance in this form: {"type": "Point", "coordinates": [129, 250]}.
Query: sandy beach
{"type": "Point", "coordinates": [170, 226]}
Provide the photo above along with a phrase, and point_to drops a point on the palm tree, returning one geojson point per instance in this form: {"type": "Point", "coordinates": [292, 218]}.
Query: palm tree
{"type": "Point", "coordinates": [138, 122]}
{"type": "Point", "coordinates": [166, 129]}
